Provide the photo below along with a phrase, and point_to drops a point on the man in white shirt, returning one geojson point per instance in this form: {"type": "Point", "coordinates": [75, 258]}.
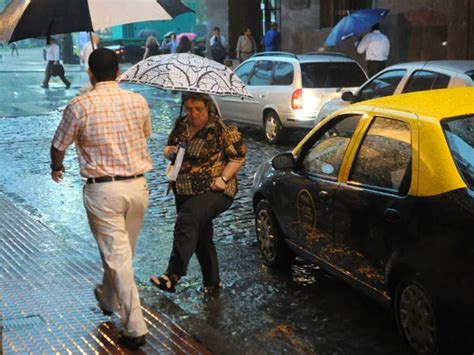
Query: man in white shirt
{"type": "Point", "coordinates": [376, 47]}
{"type": "Point", "coordinates": [52, 56]}
{"type": "Point", "coordinates": [218, 45]}
{"type": "Point", "coordinates": [87, 50]}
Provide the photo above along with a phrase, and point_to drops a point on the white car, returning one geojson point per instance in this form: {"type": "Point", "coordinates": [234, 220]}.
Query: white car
{"type": "Point", "coordinates": [288, 90]}
{"type": "Point", "coordinates": [404, 78]}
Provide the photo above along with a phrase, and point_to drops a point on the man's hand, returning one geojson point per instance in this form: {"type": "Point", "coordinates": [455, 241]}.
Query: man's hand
{"type": "Point", "coordinates": [57, 176]}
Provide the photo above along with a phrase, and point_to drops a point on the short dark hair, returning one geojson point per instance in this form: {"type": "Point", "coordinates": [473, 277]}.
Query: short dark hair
{"type": "Point", "coordinates": [375, 27]}
{"type": "Point", "coordinates": [103, 63]}
{"type": "Point", "coordinates": [216, 28]}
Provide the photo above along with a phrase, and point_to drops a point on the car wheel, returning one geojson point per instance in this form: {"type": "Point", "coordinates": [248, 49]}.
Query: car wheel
{"type": "Point", "coordinates": [416, 316]}
{"type": "Point", "coordinates": [274, 131]}
{"type": "Point", "coordinates": [270, 239]}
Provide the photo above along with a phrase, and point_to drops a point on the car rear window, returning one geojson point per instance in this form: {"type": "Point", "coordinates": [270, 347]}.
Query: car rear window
{"type": "Point", "coordinates": [460, 136]}
{"type": "Point", "coordinates": [426, 80]}
{"type": "Point", "coordinates": [470, 74]}
{"type": "Point", "coordinates": [331, 75]}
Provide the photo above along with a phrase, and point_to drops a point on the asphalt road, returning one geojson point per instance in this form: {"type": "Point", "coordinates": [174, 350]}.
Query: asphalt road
{"type": "Point", "coordinates": [301, 310]}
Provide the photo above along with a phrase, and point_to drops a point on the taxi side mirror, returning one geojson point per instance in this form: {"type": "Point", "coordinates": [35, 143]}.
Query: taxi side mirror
{"type": "Point", "coordinates": [348, 96]}
{"type": "Point", "coordinates": [283, 161]}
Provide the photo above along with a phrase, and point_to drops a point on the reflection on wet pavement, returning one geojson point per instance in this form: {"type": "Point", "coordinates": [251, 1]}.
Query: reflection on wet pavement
{"type": "Point", "coordinates": [302, 310]}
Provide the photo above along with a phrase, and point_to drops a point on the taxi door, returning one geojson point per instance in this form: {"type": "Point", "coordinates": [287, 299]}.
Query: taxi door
{"type": "Point", "coordinates": [372, 207]}
{"type": "Point", "coordinates": [315, 182]}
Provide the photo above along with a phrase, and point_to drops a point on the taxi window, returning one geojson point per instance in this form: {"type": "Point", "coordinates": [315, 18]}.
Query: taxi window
{"type": "Point", "coordinates": [383, 85]}
{"type": "Point", "coordinates": [460, 136]}
{"type": "Point", "coordinates": [426, 80]}
{"type": "Point", "coordinates": [262, 73]}
{"type": "Point", "coordinates": [384, 157]}
{"type": "Point", "coordinates": [323, 155]}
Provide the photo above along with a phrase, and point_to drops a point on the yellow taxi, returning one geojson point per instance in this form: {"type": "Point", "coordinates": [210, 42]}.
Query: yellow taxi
{"type": "Point", "coordinates": [381, 194]}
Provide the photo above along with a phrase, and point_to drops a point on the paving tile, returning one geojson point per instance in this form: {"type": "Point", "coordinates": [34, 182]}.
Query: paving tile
{"type": "Point", "coordinates": [47, 303]}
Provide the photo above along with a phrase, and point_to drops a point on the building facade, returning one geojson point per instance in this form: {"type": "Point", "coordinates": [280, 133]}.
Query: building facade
{"type": "Point", "coordinates": [417, 29]}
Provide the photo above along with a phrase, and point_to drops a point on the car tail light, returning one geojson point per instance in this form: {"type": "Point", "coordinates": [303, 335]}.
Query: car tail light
{"type": "Point", "coordinates": [297, 99]}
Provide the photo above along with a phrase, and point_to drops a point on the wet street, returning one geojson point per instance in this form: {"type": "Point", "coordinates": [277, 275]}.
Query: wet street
{"type": "Point", "coordinates": [302, 310]}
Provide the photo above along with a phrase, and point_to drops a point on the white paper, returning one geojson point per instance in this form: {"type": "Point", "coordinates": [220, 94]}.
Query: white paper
{"type": "Point", "coordinates": [173, 171]}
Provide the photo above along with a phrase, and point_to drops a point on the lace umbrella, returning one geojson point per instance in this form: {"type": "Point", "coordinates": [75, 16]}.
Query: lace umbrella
{"type": "Point", "coordinates": [186, 72]}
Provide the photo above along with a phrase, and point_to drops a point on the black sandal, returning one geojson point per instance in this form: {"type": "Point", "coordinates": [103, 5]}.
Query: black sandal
{"type": "Point", "coordinates": [211, 289]}
{"type": "Point", "coordinates": [165, 282]}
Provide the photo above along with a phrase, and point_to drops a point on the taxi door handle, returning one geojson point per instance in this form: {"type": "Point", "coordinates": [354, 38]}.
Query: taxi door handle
{"type": "Point", "coordinates": [391, 215]}
{"type": "Point", "coordinates": [323, 196]}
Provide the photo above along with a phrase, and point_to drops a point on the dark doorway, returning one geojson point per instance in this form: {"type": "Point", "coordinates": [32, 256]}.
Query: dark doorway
{"type": "Point", "coordinates": [244, 13]}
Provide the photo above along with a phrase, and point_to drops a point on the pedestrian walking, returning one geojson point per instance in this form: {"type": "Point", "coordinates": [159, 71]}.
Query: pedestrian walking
{"type": "Point", "coordinates": [205, 186]}
{"type": "Point", "coordinates": [109, 127]}
{"type": "Point", "coordinates": [166, 43]}
{"type": "Point", "coordinates": [14, 48]}
{"type": "Point", "coordinates": [184, 45]}
{"type": "Point", "coordinates": [174, 43]}
{"type": "Point", "coordinates": [218, 46]}
{"type": "Point", "coordinates": [54, 67]}
{"type": "Point", "coordinates": [88, 48]}
{"type": "Point", "coordinates": [86, 51]}
{"type": "Point", "coordinates": [152, 47]}
{"type": "Point", "coordinates": [246, 45]}
{"type": "Point", "coordinates": [272, 39]}
{"type": "Point", "coordinates": [376, 47]}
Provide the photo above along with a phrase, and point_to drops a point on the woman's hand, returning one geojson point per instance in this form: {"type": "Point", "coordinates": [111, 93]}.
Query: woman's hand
{"type": "Point", "coordinates": [170, 151]}
{"type": "Point", "coordinates": [218, 184]}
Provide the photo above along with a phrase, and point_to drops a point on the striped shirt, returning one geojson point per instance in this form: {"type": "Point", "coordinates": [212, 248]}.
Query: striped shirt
{"type": "Point", "coordinates": [109, 127]}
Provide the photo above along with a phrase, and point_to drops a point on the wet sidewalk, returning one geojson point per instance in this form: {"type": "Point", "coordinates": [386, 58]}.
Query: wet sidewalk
{"type": "Point", "coordinates": [47, 303]}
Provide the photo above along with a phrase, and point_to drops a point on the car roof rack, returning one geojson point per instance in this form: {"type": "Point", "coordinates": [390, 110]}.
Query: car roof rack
{"type": "Point", "coordinates": [281, 54]}
{"type": "Point", "coordinates": [338, 54]}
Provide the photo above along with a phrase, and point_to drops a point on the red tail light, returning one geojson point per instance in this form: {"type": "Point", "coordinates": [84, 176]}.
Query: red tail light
{"type": "Point", "coordinates": [297, 99]}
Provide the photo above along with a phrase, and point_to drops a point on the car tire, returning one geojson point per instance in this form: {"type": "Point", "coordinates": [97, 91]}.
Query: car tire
{"type": "Point", "coordinates": [416, 315]}
{"type": "Point", "coordinates": [271, 241]}
{"type": "Point", "coordinates": [273, 128]}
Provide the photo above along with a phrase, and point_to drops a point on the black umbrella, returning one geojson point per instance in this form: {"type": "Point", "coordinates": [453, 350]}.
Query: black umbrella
{"type": "Point", "coordinates": [34, 18]}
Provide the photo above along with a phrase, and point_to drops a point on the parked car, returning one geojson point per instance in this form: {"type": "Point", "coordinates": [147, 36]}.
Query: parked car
{"type": "Point", "coordinates": [288, 90]}
{"type": "Point", "coordinates": [381, 194]}
{"type": "Point", "coordinates": [128, 51]}
{"type": "Point", "coordinates": [405, 78]}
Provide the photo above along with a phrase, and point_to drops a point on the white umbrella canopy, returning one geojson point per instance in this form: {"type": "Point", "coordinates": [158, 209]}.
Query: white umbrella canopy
{"type": "Point", "coordinates": [186, 72]}
{"type": "Point", "coordinates": [36, 18]}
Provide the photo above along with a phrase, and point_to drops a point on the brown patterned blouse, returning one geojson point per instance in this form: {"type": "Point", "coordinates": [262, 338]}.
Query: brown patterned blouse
{"type": "Point", "coordinates": [206, 155]}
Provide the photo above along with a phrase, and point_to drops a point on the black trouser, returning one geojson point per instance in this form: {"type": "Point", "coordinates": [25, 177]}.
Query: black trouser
{"type": "Point", "coordinates": [48, 74]}
{"type": "Point", "coordinates": [374, 66]}
{"type": "Point", "coordinates": [193, 232]}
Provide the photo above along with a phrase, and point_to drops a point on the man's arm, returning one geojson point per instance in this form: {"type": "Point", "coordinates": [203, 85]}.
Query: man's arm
{"type": "Point", "coordinates": [57, 168]}
{"type": "Point", "coordinates": [361, 46]}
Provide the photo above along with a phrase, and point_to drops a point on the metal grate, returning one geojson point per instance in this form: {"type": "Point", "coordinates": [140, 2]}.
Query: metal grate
{"type": "Point", "coordinates": [28, 322]}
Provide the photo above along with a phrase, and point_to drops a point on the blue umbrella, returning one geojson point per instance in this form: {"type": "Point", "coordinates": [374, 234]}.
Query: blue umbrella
{"type": "Point", "coordinates": [354, 24]}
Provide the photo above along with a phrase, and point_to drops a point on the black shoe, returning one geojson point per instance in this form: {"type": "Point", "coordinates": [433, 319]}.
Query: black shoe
{"type": "Point", "coordinates": [132, 342]}
{"type": "Point", "coordinates": [68, 85]}
{"type": "Point", "coordinates": [44, 86]}
{"type": "Point", "coordinates": [97, 293]}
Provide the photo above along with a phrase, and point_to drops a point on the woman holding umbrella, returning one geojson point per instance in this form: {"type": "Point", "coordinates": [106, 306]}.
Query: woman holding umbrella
{"type": "Point", "coordinates": [204, 188]}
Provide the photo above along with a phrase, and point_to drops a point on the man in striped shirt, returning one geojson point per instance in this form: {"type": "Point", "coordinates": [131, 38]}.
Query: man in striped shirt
{"type": "Point", "coordinates": [109, 127]}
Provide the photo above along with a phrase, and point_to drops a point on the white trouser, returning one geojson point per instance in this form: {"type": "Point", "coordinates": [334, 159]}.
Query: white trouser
{"type": "Point", "coordinates": [115, 211]}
